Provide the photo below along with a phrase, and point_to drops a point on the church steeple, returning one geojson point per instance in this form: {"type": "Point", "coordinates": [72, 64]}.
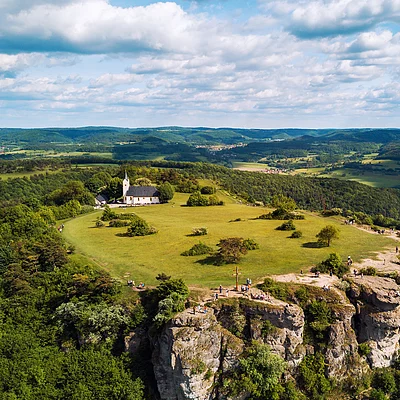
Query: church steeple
{"type": "Point", "coordinates": [125, 185]}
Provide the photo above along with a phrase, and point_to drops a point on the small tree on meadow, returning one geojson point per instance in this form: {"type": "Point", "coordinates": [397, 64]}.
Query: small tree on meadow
{"type": "Point", "coordinates": [197, 199]}
{"type": "Point", "coordinates": [327, 234]}
{"type": "Point", "coordinates": [231, 250]}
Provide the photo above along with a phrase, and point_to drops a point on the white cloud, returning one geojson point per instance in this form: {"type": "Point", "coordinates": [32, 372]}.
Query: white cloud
{"type": "Point", "coordinates": [335, 17]}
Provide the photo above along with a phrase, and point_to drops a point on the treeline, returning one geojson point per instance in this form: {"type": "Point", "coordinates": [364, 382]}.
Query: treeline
{"type": "Point", "coordinates": [309, 193]}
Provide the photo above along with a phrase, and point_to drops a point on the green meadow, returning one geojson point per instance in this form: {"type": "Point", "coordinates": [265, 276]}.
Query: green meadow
{"type": "Point", "coordinates": [142, 258]}
{"type": "Point", "coordinates": [371, 178]}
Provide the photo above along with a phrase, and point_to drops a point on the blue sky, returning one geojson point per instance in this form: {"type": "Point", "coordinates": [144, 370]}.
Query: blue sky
{"type": "Point", "coordinates": [250, 63]}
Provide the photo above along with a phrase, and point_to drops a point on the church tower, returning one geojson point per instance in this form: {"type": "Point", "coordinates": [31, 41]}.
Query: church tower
{"type": "Point", "coordinates": [125, 185]}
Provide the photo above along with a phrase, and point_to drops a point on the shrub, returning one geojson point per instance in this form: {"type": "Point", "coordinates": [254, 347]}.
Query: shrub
{"type": "Point", "coordinates": [215, 201]}
{"type": "Point", "coordinates": [207, 190]}
{"type": "Point", "coordinates": [281, 214]}
{"type": "Point", "coordinates": [276, 289]}
{"type": "Point", "coordinates": [251, 244]}
{"type": "Point", "coordinates": [199, 231]}
{"type": "Point", "coordinates": [296, 235]}
{"type": "Point", "coordinates": [259, 374]}
{"type": "Point", "coordinates": [364, 349]}
{"type": "Point", "coordinates": [118, 223]}
{"type": "Point", "coordinates": [108, 214]}
{"type": "Point", "coordinates": [287, 226]}
{"type": "Point", "coordinates": [368, 271]}
{"type": "Point", "coordinates": [302, 295]}
{"type": "Point", "coordinates": [99, 223]}
{"type": "Point", "coordinates": [319, 317]}
{"type": "Point", "coordinates": [383, 380]}
{"type": "Point", "coordinates": [312, 376]}
{"type": "Point", "coordinates": [333, 263]}
{"type": "Point", "coordinates": [197, 199]}
{"type": "Point", "coordinates": [140, 227]}
{"type": "Point", "coordinates": [268, 328]}
{"type": "Point", "coordinates": [377, 395]}
{"type": "Point", "coordinates": [198, 250]}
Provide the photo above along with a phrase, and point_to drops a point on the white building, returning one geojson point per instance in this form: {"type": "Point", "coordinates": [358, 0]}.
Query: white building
{"type": "Point", "coordinates": [139, 195]}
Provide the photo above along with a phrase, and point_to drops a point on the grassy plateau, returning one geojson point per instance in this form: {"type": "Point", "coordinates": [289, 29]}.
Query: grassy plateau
{"type": "Point", "coordinates": [142, 258]}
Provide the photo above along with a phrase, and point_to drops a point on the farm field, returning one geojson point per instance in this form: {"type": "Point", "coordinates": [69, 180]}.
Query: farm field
{"type": "Point", "coordinates": [371, 178]}
{"type": "Point", "coordinates": [24, 174]}
{"type": "Point", "coordinates": [142, 258]}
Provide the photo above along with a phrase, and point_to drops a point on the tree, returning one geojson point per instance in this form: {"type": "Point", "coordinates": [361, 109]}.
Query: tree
{"type": "Point", "coordinates": [197, 199]}
{"type": "Point", "coordinates": [259, 373]}
{"type": "Point", "coordinates": [283, 202]}
{"type": "Point", "coordinates": [327, 234]}
{"type": "Point", "coordinates": [114, 188]}
{"type": "Point", "coordinates": [143, 182]}
{"type": "Point", "coordinates": [231, 250]}
{"type": "Point", "coordinates": [333, 263]}
{"type": "Point", "coordinates": [166, 191]}
{"type": "Point", "coordinates": [207, 190]}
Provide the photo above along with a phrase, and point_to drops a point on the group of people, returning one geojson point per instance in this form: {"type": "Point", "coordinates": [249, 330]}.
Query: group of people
{"type": "Point", "coordinates": [261, 296]}
{"type": "Point", "coordinates": [60, 228]}
{"type": "Point", "coordinates": [132, 284]}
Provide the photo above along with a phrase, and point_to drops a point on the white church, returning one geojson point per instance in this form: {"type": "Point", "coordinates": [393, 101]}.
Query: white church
{"type": "Point", "coordinates": [139, 195]}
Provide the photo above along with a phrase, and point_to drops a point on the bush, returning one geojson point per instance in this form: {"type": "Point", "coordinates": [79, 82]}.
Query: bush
{"type": "Point", "coordinates": [199, 231]}
{"type": "Point", "coordinates": [287, 226]}
{"type": "Point", "coordinates": [368, 271]}
{"type": "Point", "coordinates": [333, 263]}
{"type": "Point", "coordinates": [108, 214]}
{"type": "Point", "coordinates": [215, 201]}
{"type": "Point", "coordinates": [384, 380]}
{"type": "Point", "coordinates": [276, 289]}
{"type": "Point", "coordinates": [364, 349]}
{"type": "Point", "coordinates": [296, 235]}
{"type": "Point", "coordinates": [268, 328]}
{"type": "Point", "coordinates": [99, 223]}
{"type": "Point", "coordinates": [259, 374]}
{"type": "Point", "coordinates": [312, 376]}
{"type": "Point", "coordinates": [197, 199]}
{"type": "Point", "coordinates": [319, 317]}
{"type": "Point", "coordinates": [207, 190]}
{"type": "Point", "coordinates": [118, 223]}
{"type": "Point", "coordinates": [251, 244]}
{"type": "Point", "coordinates": [140, 228]}
{"type": "Point", "coordinates": [281, 214]}
{"type": "Point", "coordinates": [197, 250]}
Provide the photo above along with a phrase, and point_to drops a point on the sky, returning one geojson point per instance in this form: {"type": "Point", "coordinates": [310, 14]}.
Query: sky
{"type": "Point", "coordinates": [249, 63]}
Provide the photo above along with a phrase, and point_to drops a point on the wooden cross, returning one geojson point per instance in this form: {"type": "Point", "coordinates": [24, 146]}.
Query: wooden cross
{"type": "Point", "coordinates": [237, 273]}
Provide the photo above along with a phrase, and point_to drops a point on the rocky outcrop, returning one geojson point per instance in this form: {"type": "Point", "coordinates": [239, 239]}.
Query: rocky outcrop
{"type": "Point", "coordinates": [188, 353]}
{"type": "Point", "coordinates": [378, 317]}
{"type": "Point", "coordinates": [280, 326]}
{"type": "Point", "coordinates": [341, 353]}
{"type": "Point", "coordinates": [193, 351]}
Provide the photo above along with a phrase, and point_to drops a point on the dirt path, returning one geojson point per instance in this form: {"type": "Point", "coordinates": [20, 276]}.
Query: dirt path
{"type": "Point", "coordinates": [386, 260]}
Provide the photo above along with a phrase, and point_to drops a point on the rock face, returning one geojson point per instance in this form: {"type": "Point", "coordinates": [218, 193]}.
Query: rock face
{"type": "Point", "coordinates": [378, 317]}
{"type": "Point", "coordinates": [342, 348]}
{"type": "Point", "coordinates": [193, 350]}
{"type": "Point", "coordinates": [283, 331]}
{"type": "Point", "coordinates": [189, 352]}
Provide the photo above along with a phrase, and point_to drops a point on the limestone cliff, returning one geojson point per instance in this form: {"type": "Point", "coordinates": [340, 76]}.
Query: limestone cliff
{"type": "Point", "coordinates": [378, 317]}
{"type": "Point", "coordinates": [193, 351]}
